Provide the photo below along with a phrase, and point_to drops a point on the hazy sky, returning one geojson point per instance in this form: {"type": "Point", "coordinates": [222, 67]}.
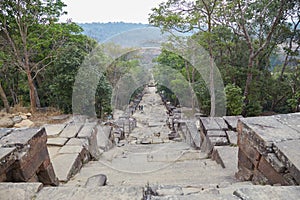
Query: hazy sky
{"type": "Point", "coordinates": [109, 10]}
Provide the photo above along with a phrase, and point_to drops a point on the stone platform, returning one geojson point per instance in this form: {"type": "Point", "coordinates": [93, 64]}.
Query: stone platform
{"type": "Point", "coordinates": [269, 149]}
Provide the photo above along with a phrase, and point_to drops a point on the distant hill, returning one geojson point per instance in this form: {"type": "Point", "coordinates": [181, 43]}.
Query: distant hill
{"type": "Point", "coordinates": [103, 31]}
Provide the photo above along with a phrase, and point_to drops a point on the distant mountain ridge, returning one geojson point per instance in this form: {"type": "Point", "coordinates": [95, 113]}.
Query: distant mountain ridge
{"type": "Point", "coordinates": [103, 31]}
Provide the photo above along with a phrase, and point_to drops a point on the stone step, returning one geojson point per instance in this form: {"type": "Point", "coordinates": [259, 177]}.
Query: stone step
{"type": "Point", "coordinates": [227, 157]}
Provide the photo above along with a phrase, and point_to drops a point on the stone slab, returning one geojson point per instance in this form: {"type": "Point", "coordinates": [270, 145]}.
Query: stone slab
{"type": "Point", "coordinates": [71, 130]}
{"type": "Point", "coordinates": [232, 137]}
{"type": "Point", "coordinates": [232, 121]}
{"type": "Point", "coordinates": [218, 141]}
{"type": "Point", "coordinates": [209, 123]}
{"type": "Point", "coordinates": [5, 131]}
{"type": "Point", "coordinates": [70, 149]}
{"type": "Point", "coordinates": [228, 157]}
{"type": "Point", "coordinates": [268, 192]}
{"type": "Point", "coordinates": [66, 165]}
{"type": "Point", "coordinates": [216, 133]}
{"type": "Point", "coordinates": [53, 130]}
{"type": "Point", "coordinates": [221, 122]}
{"type": "Point", "coordinates": [7, 158]}
{"type": "Point", "coordinates": [269, 129]}
{"type": "Point", "coordinates": [59, 141]}
{"type": "Point", "coordinates": [19, 191]}
{"type": "Point", "coordinates": [291, 151]}
{"type": "Point", "coordinates": [292, 120]}
{"type": "Point", "coordinates": [21, 137]}
{"type": "Point", "coordinates": [86, 130]}
{"type": "Point", "coordinates": [77, 142]}
{"type": "Point", "coordinates": [53, 151]}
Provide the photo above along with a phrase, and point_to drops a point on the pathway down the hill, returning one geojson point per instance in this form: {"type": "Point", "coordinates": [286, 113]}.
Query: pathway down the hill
{"type": "Point", "coordinates": [148, 156]}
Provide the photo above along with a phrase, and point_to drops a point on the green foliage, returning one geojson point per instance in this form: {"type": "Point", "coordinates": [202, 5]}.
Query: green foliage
{"type": "Point", "coordinates": [234, 99]}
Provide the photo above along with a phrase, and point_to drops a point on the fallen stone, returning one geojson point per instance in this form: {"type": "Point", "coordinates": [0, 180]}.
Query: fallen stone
{"type": "Point", "coordinates": [17, 119]}
{"type": "Point", "coordinates": [6, 122]}
{"type": "Point", "coordinates": [26, 123]}
{"type": "Point", "coordinates": [96, 181]}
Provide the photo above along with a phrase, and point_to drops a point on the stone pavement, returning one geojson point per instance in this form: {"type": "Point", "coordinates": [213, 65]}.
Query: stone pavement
{"type": "Point", "coordinates": [148, 163]}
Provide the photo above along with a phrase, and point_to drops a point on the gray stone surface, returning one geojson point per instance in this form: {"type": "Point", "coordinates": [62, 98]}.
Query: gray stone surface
{"type": "Point", "coordinates": [291, 151]}
{"type": "Point", "coordinates": [76, 193]}
{"type": "Point", "coordinates": [77, 142]}
{"type": "Point", "coordinates": [71, 130]}
{"type": "Point", "coordinates": [19, 191]}
{"type": "Point", "coordinates": [232, 121]}
{"type": "Point", "coordinates": [21, 136]}
{"type": "Point", "coordinates": [70, 149]}
{"type": "Point", "coordinates": [268, 192]}
{"type": "Point", "coordinates": [5, 152]}
{"type": "Point", "coordinates": [228, 157]}
{"type": "Point", "coordinates": [269, 129]}
{"type": "Point", "coordinates": [216, 133]}
{"type": "Point", "coordinates": [209, 123]}
{"type": "Point", "coordinates": [232, 137]}
{"type": "Point", "coordinates": [53, 130]}
{"type": "Point", "coordinates": [60, 141]}
{"type": "Point", "coordinates": [66, 165]}
{"type": "Point", "coordinates": [5, 131]}
{"type": "Point", "coordinates": [87, 130]}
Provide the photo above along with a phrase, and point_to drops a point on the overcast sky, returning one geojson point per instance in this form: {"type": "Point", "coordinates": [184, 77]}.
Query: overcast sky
{"type": "Point", "coordinates": [109, 10]}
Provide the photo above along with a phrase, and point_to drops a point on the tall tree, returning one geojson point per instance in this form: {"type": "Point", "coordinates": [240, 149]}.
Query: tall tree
{"type": "Point", "coordinates": [28, 27]}
{"type": "Point", "coordinates": [185, 16]}
{"type": "Point", "coordinates": [256, 22]}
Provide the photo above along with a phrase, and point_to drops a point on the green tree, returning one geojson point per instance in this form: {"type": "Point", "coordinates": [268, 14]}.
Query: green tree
{"type": "Point", "coordinates": [32, 35]}
{"type": "Point", "coordinates": [234, 99]}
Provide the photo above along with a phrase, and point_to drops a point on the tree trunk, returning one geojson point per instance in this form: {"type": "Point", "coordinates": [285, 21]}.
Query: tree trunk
{"type": "Point", "coordinates": [4, 99]}
{"type": "Point", "coordinates": [248, 83]}
{"type": "Point", "coordinates": [31, 92]}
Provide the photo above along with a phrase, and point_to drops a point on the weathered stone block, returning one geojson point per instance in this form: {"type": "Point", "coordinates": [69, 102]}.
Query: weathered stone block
{"type": "Point", "coordinates": [7, 158]}
{"type": "Point", "coordinates": [47, 175]}
{"type": "Point", "coordinates": [247, 148]}
{"type": "Point", "coordinates": [289, 153]}
{"type": "Point", "coordinates": [268, 171]}
{"type": "Point", "coordinates": [244, 161]}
